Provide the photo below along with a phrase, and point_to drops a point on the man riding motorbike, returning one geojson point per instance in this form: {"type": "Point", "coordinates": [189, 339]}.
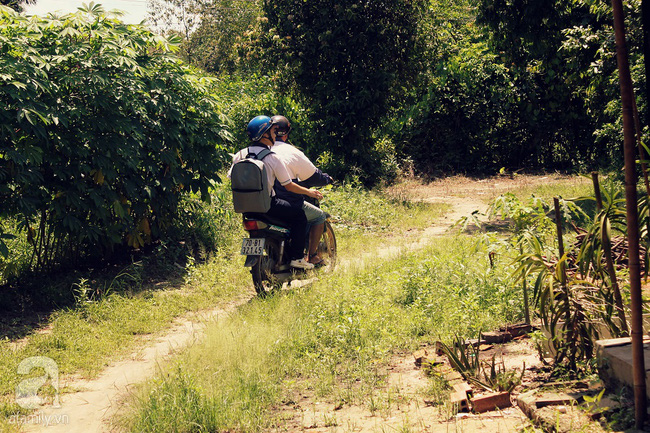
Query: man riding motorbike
{"type": "Point", "coordinates": [305, 173]}
{"type": "Point", "coordinates": [262, 132]}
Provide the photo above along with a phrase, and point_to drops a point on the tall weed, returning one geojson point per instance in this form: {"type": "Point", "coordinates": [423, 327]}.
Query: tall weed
{"type": "Point", "coordinates": [330, 338]}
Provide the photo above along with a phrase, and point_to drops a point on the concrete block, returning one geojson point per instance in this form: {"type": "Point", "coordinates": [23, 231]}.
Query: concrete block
{"type": "Point", "coordinates": [526, 403]}
{"type": "Point", "coordinates": [614, 358]}
{"type": "Point", "coordinates": [553, 399]}
{"type": "Point", "coordinates": [529, 402]}
{"type": "Point", "coordinates": [459, 399]}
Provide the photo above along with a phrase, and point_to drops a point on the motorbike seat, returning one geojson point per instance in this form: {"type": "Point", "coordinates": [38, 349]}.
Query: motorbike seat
{"type": "Point", "coordinates": [265, 218]}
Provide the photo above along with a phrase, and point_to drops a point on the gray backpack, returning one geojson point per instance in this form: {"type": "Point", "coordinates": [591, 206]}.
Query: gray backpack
{"type": "Point", "coordinates": [251, 191]}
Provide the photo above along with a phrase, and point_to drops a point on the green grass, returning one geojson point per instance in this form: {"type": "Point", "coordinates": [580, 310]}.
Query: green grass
{"type": "Point", "coordinates": [366, 220]}
{"type": "Point", "coordinates": [112, 316]}
{"type": "Point", "coordinates": [85, 339]}
{"type": "Point", "coordinates": [568, 188]}
{"type": "Point", "coordinates": [358, 209]}
{"type": "Point", "coordinates": [330, 339]}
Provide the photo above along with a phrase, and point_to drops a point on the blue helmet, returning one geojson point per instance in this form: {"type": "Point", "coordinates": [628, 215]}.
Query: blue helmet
{"type": "Point", "coordinates": [258, 126]}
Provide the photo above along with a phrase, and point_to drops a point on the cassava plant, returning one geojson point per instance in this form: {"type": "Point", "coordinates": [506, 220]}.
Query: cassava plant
{"type": "Point", "coordinates": [103, 130]}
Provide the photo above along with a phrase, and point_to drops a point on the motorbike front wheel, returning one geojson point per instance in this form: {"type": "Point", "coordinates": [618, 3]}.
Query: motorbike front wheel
{"type": "Point", "coordinates": [262, 271]}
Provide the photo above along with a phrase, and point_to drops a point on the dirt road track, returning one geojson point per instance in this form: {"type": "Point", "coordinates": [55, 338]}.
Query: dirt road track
{"type": "Point", "coordinates": [92, 408]}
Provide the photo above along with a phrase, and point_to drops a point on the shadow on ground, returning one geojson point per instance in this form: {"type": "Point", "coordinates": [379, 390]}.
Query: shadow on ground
{"type": "Point", "coordinates": [27, 304]}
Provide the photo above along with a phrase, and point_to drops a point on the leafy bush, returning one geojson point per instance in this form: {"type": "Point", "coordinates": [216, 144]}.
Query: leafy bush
{"type": "Point", "coordinates": [103, 131]}
{"type": "Point", "coordinates": [199, 232]}
{"type": "Point", "coordinates": [465, 122]}
{"type": "Point", "coordinates": [206, 227]}
{"type": "Point", "coordinates": [242, 99]}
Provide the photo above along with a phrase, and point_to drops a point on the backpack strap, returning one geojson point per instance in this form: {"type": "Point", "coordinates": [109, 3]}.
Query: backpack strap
{"type": "Point", "coordinates": [263, 154]}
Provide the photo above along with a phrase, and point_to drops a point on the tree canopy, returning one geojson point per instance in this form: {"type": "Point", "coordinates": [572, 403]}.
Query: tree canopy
{"type": "Point", "coordinates": [349, 60]}
{"type": "Point", "coordinates": [452, 86]}
{"type": "Point", "coordinates": [16, 5]}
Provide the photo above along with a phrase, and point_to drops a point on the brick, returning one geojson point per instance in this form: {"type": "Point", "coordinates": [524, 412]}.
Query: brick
{"type": "Point", "coordinates": [459, 399]}
{"type": "Point", "coordinates": [420, 356]}
{"type": "Point", "coordinates": [492, 401]}
{"type": "Point", "coordinates": [463, 387]}
{"type": "Point", "coordinates": [518, 329]}
{"type": "Point", "coordinates": [496, 337]}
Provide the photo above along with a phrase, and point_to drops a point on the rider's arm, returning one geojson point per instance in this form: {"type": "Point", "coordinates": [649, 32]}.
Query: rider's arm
{"type": "Point", "coordinates": [282, 176]}
{"type": "Point", "coordinates": [317, 179]}
{"type": "Point", "coordinates": [297, 189]}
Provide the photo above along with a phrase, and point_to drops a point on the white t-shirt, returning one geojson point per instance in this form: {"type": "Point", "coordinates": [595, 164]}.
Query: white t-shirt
{"type": "Point", "coordinates": [298, 165]}
{"type": "Point", "coordinates": [275, 168]}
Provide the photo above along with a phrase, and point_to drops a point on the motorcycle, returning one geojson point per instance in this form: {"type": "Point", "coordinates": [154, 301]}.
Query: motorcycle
{"type": "Point", "coordinates": [267, 248]}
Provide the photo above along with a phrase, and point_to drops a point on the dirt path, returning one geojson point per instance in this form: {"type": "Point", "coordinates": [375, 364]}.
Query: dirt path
{"type": "Point", "coordinates": [92, 408]}
{"type": "Point", "coordinates": [95, 404]}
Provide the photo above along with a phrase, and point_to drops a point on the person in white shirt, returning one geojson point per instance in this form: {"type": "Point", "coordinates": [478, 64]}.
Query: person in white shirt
{"type": "Point", "coordinates": [262, 131]}
{"type": "Point", "coordinates": [303, 172]}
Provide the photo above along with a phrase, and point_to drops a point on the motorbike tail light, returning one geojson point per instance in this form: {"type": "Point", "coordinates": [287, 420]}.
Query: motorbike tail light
{"type": "Point", "coordinates": [250, 225]}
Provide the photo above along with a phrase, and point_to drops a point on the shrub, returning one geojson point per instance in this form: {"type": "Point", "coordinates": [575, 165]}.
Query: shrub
{"type": "Point", "coordinates": [103, 131]}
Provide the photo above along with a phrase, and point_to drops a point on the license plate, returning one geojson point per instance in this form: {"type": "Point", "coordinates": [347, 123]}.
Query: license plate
{"type": "Point", "coordinates": [252, 247]}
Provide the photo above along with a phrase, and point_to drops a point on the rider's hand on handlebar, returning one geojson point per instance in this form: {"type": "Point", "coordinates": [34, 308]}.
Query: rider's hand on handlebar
{"type": "Point", "coordinates": [315, 194]}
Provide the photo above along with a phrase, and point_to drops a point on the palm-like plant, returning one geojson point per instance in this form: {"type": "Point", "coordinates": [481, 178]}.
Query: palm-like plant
{"type": "Point", "coordinates": [595, 258]}
{"type": "Point", "coordinates": [576, 294]}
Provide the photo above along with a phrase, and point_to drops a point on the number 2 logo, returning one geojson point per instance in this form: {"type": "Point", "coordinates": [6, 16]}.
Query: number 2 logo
{"type": "Point", "coordinates": [27, 390]}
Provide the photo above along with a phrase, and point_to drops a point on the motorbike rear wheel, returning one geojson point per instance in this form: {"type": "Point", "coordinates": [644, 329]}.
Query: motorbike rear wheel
{"type": "Point", "coordinates": [262, 271]}
{"type": "Point", "coordinates": [327, 247]}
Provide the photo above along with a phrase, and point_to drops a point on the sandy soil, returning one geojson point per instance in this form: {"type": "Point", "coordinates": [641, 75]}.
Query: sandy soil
{"type": "Point", "coordinates": [95, 404]}
{"type": "Point", "coordinates": [404, 407]}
